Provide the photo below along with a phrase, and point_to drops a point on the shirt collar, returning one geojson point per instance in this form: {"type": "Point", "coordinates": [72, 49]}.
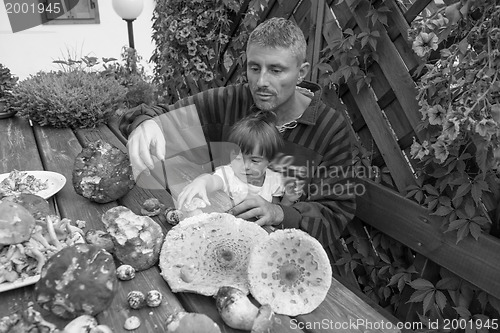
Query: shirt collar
{"type": "Point", "coordinates": [310, 114]}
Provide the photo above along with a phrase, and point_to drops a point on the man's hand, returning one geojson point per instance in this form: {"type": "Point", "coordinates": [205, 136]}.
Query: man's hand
{"type": "Point", "coordinates": [145, 140]}
{"type": "Point", "coordinates": [254, 206]}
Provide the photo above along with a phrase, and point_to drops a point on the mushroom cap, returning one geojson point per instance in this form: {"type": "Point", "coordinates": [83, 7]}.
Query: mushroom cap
{"type": "Point", "coordinates": [290, 271]}
{"type": "Point", "coordinates": [184, 322]}
{"type": "Point", "coordinates": [207, 251]}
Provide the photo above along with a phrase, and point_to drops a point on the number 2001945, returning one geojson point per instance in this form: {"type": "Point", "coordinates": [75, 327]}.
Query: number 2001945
{"type": "Point", "coordinates": [32, 8]}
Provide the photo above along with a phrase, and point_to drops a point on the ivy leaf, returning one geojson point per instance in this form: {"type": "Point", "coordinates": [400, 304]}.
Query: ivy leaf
{"type": "Point", "coordinates": [475, 230]}
{"type": "Point", "coordinates": [448, 283]}
{"type": "Point", "coordinates": [443, 211]}
{"type": "Point", "coordinates": [457, 224]}
{"type": "Point", "coordinates": [495, 112]}
{"type": "Point", "coordinates": [477, 190]}
{"type": "Point", "coordinates": [395, 279]}
{"type": "Point", "coordinates": [324, 67]}
{"type": "Point", "coordinates": [428, 301]}
{"type": "Point", "coordinates": [431, 189]}
{"type": "Point", "coordinates": [440, 300]}
{"type": "Point", "coordinates": [462, 232]}
{"type": "Point", "coordinates": [462, 312]}
{"type": "Point", "coordinates": [462, 190]}
{"type": "Point", "coordinates": [481, 152]}
{"type": "Point", "coordinates": [421, 284]}
{"type": "Point", "coordinates": [418, 296]}
{"type": "Point", "coordinates": [384, 257]}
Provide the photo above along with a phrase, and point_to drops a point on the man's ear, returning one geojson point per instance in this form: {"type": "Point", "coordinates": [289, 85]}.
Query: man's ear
{"type": "Point", "coordinates": [304, 70]}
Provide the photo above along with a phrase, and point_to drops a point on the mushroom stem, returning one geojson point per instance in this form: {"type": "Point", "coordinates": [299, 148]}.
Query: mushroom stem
{"type": "Point", "coordinates": [52, 233]}
{"type": "Point", "coordinates": [35, 253]}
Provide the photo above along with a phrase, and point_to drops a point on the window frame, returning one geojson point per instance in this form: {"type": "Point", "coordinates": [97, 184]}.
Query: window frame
{"type": "Point", "coordinates": [93, 10]}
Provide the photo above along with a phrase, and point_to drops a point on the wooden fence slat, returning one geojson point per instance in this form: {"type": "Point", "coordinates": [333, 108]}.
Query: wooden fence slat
{"type": "Point", "coordinates": [319, 24]}
{"type": "Point", "coordinates": [394, 69]}
{"type": "Point", "coordinates": [415, 9]}
{"type": "Point", "coordinates": [389, 148]}
{"type": "Point", "coordinates": [410, 223]}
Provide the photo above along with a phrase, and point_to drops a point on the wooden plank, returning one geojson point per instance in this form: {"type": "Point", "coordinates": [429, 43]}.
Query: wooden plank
{"type": "Point", "coordinates": [389, 148]}
{"type": "Point", "coordinates": [394, 69]}
{"type": "Point", "coordinates": [415, 9]}
{"type": "Point", "coordinates": [18, 142]}
{"type": "Point", "coordinates": [410, 223]}
{"type": "Point", "coordinates": [342, 309]}
{"type": "Point", "coordinates": [18, 150]}
{"type": "Point", "coordinates": [318, 24]}
{"type": "Point", "coordinates": [398, 32]}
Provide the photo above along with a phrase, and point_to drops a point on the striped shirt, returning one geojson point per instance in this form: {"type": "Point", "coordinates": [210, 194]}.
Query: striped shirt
{"type": "Point", "coordinates": [317, 153]}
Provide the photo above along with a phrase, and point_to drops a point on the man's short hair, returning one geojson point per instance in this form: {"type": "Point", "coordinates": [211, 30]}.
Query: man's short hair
{"type": "Point", "coordinates": [279, 32]}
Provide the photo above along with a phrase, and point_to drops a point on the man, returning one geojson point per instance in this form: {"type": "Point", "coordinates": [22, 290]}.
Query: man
{"type": "Point", "coordinates": [317, 140]}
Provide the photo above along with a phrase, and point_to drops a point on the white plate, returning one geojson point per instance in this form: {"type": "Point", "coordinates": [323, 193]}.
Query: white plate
{"type": "Point", "coordinates": [56, 181]}
{"type": "Point", "coordinates": [18, 283]}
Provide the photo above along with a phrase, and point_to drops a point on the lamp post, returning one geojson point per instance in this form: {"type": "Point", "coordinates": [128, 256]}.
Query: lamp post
{"type": "Point", "coordinates": [128, 10]}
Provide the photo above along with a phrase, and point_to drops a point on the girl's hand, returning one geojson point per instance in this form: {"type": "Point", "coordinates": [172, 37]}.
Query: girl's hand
{"type": "Point", "coordinates": [197, 187]}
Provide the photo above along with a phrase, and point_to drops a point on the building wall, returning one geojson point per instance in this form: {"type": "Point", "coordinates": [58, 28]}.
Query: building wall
{"type": "Point", "coordinates": [29, 51]}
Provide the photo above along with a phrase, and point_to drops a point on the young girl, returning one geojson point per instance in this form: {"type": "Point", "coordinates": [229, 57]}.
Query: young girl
{"type": "Point", "coordinates": [248, 173]}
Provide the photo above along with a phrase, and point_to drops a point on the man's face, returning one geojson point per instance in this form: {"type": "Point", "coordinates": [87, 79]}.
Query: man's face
{"type": "Point", "coordinates": [272, 75]}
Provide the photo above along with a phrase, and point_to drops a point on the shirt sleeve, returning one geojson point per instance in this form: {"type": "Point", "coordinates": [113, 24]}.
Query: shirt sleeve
{"type": "Point", "coordinates": [325, 213]}
{"type": "Point", "coordinates": [225, 173]}
{"type": "Point", "coordinates": [216, 107]}
{"type": "Point", "coordinates": [277, 186]}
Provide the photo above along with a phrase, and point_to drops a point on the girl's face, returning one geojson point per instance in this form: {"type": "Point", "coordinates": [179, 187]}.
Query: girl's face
{"type": "Point", "coordinates": [249, 168]}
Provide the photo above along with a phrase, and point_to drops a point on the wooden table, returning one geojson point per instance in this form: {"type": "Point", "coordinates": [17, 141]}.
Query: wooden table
{"type": "Point", "coordinates": [24, 147]}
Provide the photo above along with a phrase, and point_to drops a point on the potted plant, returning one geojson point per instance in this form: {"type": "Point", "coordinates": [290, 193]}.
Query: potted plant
{"type": "Point", "coordinates": [7, 82]}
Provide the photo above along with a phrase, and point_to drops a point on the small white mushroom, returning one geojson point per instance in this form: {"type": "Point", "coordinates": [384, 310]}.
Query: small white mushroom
{"type": "Point", "coordinates": [154, 298]}
{"type": "Point", "coordinates": [81, 324]}
{"type": "Point", "coordinates": [101, 329]}
{"type": "Point", "coordinates": [132, 323]}
{"type": "Point", "coordinates": [125, 272]}
{"type": "Point", "coordinates": [136, 299]}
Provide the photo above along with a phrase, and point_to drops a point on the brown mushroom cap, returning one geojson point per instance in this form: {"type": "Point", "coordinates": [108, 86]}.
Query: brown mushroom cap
{"type": "Point", "coordinates": [290, 271]}
{"type": "Point", "coordinates": [207, 251]}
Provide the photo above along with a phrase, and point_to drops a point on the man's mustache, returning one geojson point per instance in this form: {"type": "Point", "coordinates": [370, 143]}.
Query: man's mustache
{"type": "Point", "coordinates": [265, 91]}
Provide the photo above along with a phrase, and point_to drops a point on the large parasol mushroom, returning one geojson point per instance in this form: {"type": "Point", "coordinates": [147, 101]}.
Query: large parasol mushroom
{"type": "Point", "coordinates": [208, 251]}
{"type": "Point", "coordinates": [290, 271]}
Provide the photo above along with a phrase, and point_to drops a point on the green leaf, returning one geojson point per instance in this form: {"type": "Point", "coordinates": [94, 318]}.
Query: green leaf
{"type": "Point", "coordinates": [457, 224]}
{"type": "Point", "coordinates": [462, 312]}
{"type": "Point", "coordinates": [428, 301]}
{"type": "Point", "coordinates": [440, 300]}
{"type": "Point", "coordinates": [475, 230]}
{"type": "Point", "coordinates": [443, 211]}
{"type": "Point", "coordinates": [324, 67]}
{"type": "Point", "coordinates": [421, 284]}
{"type": "Point", "coordinates": [462, 190]}
{"type": "Point", "coordinates": [418, 296]}
{"type": "Point", "coordinates": [462, 233]}
{"type": "Point", "coordinates": [394, 279]}
{"type": "Point", "coordinates": [431, 190]}
{"type": "Point", "coordinates": [448, 283]}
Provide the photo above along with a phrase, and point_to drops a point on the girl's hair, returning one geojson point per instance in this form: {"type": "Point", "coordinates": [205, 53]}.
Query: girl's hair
{"type": "Point", "coordinates": [257, 130]}
{"type": "Point", "coordinates": [278, 32]}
